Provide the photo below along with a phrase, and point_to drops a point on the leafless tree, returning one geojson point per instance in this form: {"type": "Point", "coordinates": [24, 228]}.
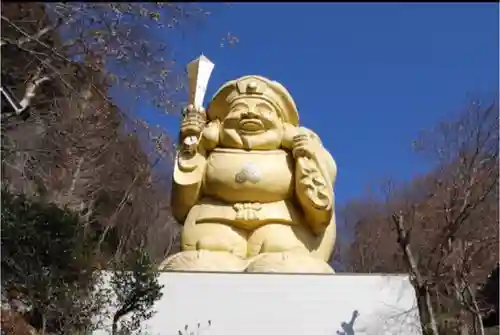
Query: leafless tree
{"type": "Point", "coordinates": [64, 139]}
{"type": "Point", "coordinates": [445, 223]}
{"type": "Point", "coordinates": [63, 61]}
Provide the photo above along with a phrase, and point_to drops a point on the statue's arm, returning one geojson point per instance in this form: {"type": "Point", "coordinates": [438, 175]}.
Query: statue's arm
{"type": "Point", "coordinates": [315, 176]}
{"type": "Point", "coordinates": [189, 171]}
{"type": "Point", "coordinates": [187, 183]}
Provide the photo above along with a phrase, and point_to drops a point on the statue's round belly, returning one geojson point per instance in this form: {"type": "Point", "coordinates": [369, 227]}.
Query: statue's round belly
{"type": "Point", "coordinates": [249, 176]}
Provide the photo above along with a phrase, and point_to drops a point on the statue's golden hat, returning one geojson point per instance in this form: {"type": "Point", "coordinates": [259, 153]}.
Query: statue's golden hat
{"type": "Point", "coordinates": [254, 86]}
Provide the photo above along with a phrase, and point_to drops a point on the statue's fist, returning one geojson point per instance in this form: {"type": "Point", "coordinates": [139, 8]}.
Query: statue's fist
{"type": "Point", "coordinates": [302, 146]}
{"type": "Point", "coordinates": [193, 123]}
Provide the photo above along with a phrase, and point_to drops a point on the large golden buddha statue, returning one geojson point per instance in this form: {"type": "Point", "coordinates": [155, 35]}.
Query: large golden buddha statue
{"type": "Point", "coordinates": [253, 190]}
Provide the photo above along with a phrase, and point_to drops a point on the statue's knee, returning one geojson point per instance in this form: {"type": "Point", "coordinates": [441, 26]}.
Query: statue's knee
{"type": "Point", "coordinates": [204, 260]}
{"type": "Point", "coordinates": [274, 238]}
{"type": "Point", "coordinates": [288, 262]}
{"type": "Point", "coordinates": [214, 237]}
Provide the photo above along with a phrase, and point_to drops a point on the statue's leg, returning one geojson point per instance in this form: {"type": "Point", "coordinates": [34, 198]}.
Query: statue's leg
{"type": "Point", "coordinates": [210, 247]}
{"type": "Point", "coordinates": [284, 248]}
{"type": "Point", "coordinates": [276, 238]}
{"type": "Point", "coordinates": [214, 237]}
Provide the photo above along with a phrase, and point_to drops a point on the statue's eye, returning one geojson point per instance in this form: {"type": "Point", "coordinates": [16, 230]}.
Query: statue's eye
{"type": "Point", "coordinates": [238, 108]}
{"type": "Point", "coordinates": [265, 110]}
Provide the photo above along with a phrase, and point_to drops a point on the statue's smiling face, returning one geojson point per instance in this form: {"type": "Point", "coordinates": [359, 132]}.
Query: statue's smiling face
{"type": "Point", "coordinates": [253, 124]}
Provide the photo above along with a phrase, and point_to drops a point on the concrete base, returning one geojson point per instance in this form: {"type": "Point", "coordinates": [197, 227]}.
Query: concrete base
{"type": "Point", "coordinates": [251, 304]}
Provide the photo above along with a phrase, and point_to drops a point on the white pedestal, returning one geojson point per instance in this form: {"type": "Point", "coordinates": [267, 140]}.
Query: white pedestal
{"type": "Point", "coordinates": [261, 304]}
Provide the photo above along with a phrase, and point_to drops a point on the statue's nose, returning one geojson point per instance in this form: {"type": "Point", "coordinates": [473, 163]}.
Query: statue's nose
{"type": "Point", "coordinates": [250, 114]}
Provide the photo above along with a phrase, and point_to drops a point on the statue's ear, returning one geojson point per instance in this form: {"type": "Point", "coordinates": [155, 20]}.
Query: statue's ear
{"type": "Point", "coordinates": [312, 135]}
{"type": "Point", "coordinates": [289, 131]}
{"type": "Point", "coordinates": [211, 134]}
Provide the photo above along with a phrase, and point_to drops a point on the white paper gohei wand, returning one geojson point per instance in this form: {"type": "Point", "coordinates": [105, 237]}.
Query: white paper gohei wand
{"type": "Point", "coordinates": [199, 71]}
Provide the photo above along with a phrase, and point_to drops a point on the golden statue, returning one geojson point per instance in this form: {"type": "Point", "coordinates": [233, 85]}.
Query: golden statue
{"type": "Point", "coordinates": [253, 190]}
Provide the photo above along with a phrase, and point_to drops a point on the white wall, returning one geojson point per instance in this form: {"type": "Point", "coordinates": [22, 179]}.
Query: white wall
{"type": "Point", "coordinates": [244, 304]}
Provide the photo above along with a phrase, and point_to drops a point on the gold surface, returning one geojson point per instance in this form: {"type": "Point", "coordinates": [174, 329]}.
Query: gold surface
{"type": "Point", "coordinates": [255, 194]}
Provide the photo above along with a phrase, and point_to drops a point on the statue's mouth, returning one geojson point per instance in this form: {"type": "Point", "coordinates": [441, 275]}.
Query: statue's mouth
{"type": "Point", "coordinates": [251, 126]}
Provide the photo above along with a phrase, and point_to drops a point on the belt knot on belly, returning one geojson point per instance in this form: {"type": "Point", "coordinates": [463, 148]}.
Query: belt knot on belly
{"type": "Point", "coordinates": [247, 211]}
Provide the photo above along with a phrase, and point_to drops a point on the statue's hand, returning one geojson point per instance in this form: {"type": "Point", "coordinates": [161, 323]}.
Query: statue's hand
{"type": "Point", "coordinates": [192, 126]}
{"type": "Point", "coordinates": [302, 146]}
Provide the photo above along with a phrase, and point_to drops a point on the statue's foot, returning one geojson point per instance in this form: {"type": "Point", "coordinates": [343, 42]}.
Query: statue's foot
{"type": "Point", "coordinates": [288, 262]}
{"type": "Point", "coordinates": [204, 260]}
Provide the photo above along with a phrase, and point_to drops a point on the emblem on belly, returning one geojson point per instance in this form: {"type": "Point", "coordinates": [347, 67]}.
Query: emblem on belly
{"type": "Point", "coordinates": [250, 173]}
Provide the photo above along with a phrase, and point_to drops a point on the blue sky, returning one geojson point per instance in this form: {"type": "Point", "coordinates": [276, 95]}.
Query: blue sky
{"type": "Point", "coordinates": [365, 77]}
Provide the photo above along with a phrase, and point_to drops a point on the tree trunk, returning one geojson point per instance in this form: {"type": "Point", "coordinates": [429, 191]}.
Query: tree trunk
{"type": "Point", "coordinates": [476, 314]}
{"type": "Point", "coordinates": [114, 327]}
{"type": "Point", "coordinates": [44, 324]}
{"type": "Point", "coordinates": [426, 311]}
